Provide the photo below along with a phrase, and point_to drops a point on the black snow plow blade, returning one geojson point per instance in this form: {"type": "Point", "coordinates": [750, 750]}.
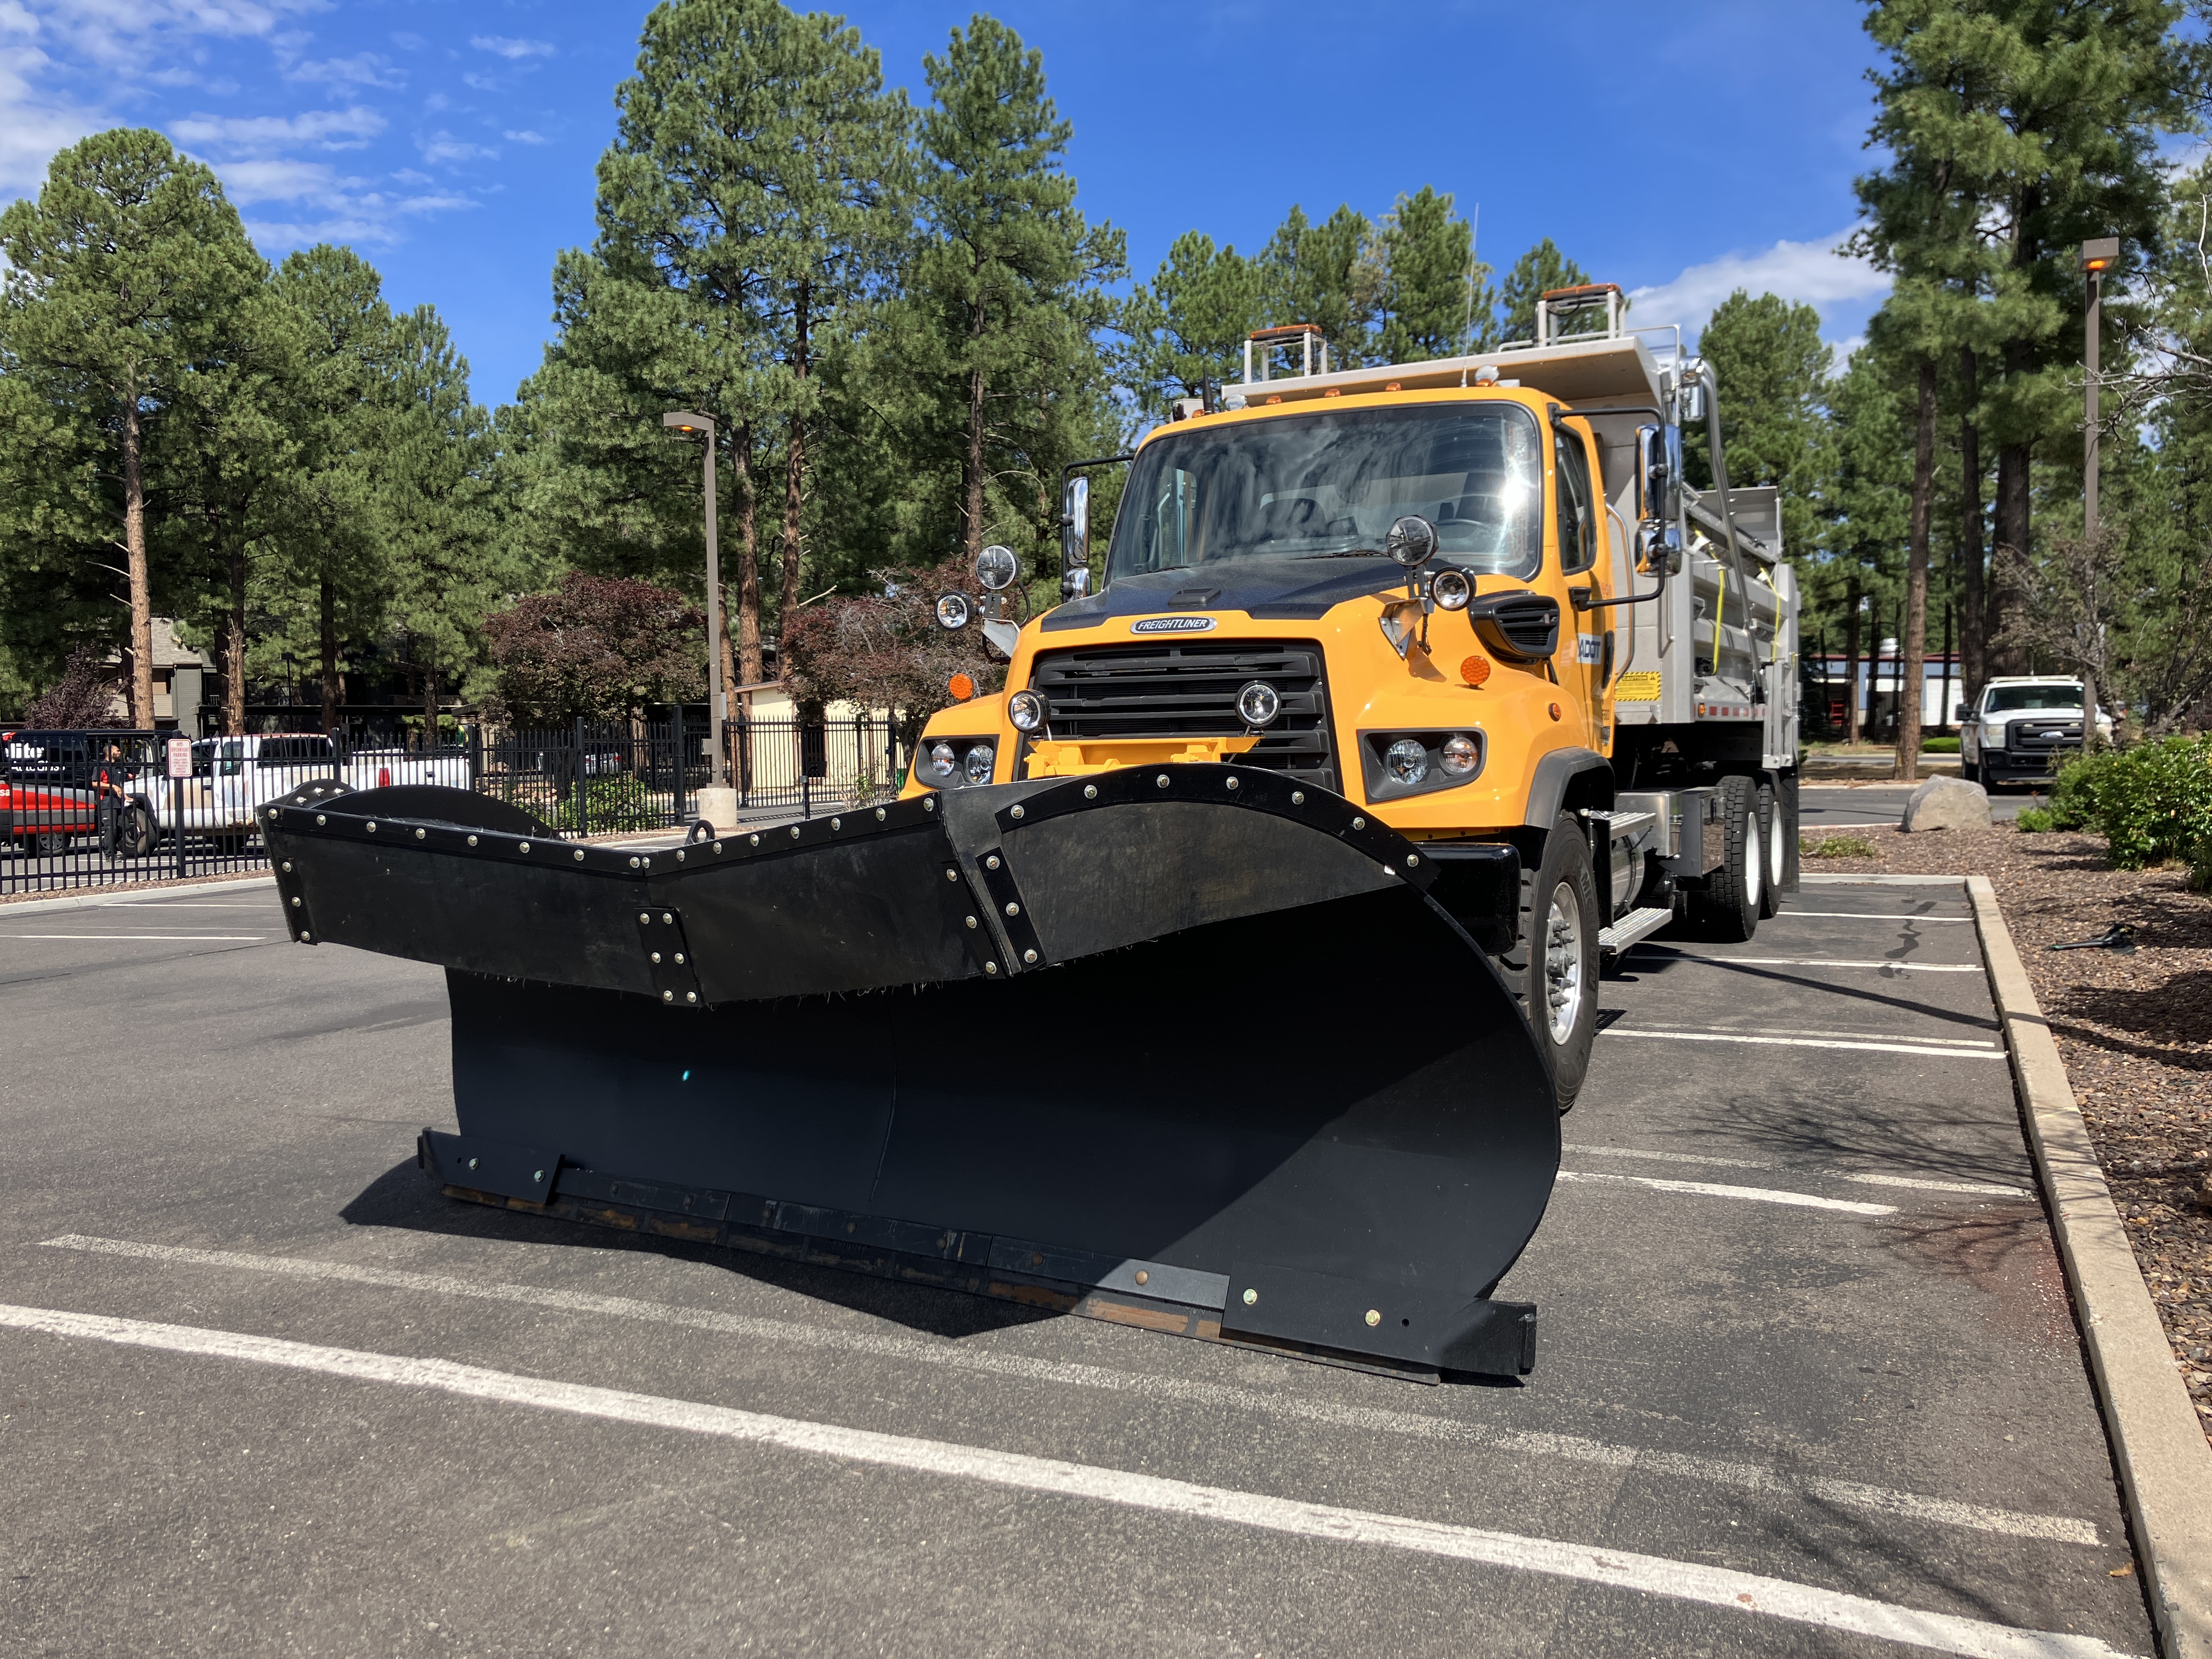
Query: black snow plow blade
{"type": "Point", "coordinates": [1189, 1047]}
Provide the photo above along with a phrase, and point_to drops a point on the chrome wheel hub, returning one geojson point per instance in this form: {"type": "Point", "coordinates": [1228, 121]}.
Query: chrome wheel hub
{"type": "Point", "coordinates": [1564, 989]}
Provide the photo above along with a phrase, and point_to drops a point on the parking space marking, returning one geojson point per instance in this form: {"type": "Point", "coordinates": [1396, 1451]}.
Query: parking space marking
{"type": "Point", "coordinates": [1211, 1396]}
{"type": "Point", "coordinates": [1754, 1194]}
{"type": "Point", "coordinates": [1872, 915]}
{"type": "Point", "coordinates": [1814, 962]}
{"type": "Point", "coordinates": [1985, 1188]}
{"type": "Point", "coordinates": [1716, 1587]}
{"type": "Point", "coordinates": [233, 938]}
{"type": "Point", "coordinates": [1928, 1047]}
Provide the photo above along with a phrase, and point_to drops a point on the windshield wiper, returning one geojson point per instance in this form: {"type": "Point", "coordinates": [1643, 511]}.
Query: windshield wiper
{"type": "Point", "coordinates": [1349, 553]}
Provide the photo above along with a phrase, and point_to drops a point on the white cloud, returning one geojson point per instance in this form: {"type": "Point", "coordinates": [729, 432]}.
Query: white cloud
{"type": "Point", "coordinates": [363, 69]}
{"type": "Point", "coordinates": [325, 128]}
{"type": "Point", "coordinates": [1815, 273]}
{"type": "Point", "coordinates": [442, 146]}
{"type": "Point", "coordinates": [276, 180]}
{"type": "Point", "coordinates": [508, 47]}
{"type": "Point", "coordinates": [524, 135]}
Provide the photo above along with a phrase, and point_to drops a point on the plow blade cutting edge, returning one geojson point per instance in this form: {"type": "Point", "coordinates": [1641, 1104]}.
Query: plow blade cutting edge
{"type": "Point", "coordinates": [1190, 1046]}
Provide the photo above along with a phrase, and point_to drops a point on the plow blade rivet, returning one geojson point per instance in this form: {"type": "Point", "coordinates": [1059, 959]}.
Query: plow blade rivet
{"type": "Point", "coordinates": [879, 815]}
{"type": "Point", "coordinates": [656, 956]}
{"type": "Point", "coordinates": [1143, 1277]}
{"type": "Point", "coordinates": [992, 862]}
{"type": "Point", "coordinates": [1374, 1317]}
{"type": "Point", "coordinates": [679, 855]}
{"type": "Point", "coordinates": [668, 996]}
{"type": "Point", "coordinates": [1036, 1260]}
{"type": "Point", "coordinates": [952, 875]}
{"type": "Point", "coordinates": [667, 920]}
{"type": "Point", "coordinates": [540, 1175]}
{"type": "Point", "coordinates": [1018, 811]}
{"type": "Point", "coordinates": [1029, 955]}
{"type": "Point", "coordinates": [756, 841]}
{"type": "Point", "coordinates": [990, 967]}
{"type": "Point", "coordinates": [679, 958]}
{"type": "Point", "coordinates": [1232, 783]}
{"type": "Point", "coordinates": [288, 866]}
{"type": "Point", "coordinates": [1162, 779]}
{"type": "Point", "coordinates": [371, 826]}
{"type": "Point", "coordinates": [644, 918]}
{"type": "Point", "coordinates": [971, 921]}
{"type": "Point", "coordinates": [1251, 1298]}
{"type": "Point", "coordinates": [306, 938]}
{"type": "Point", "coordinates": [472, 1163]}
{"type": "Point", "coordinates": [836, 824]}
{"type": "Point", "coordinates": [420, 834]}
{"type": "Point", "coordinates": [718, 846]}
{"type": "Point", "coordinates": [794, 832]}
{"type": "Point", "coordinates": [1013, 909]}
{"type": "Point", "coordinates": [929, 803]}
{"type": "Point", "coordinates": [1359, 823]}
{"type": "Point", "coordinates": [1091, 792]}
{"type": "Point", "coordinates": [633, 864]}
{"type": "Point", "coordinates": [691, 996]}
{"type": "Point", "coordinates": [522, 848]}
{"type": "Point", "coordinates": [320, 820]}
{"type": "Point", "coordinates": [295, 904]}
{"type": "Point", "coordinates": [1297, 798]}
{"type": "Point", "coordinates": [472, 841]}
{"type": "Point", "coordinates": [579, 855]}
{"type": "Point", "coordinates": [1411, 859]}
{"type": "Point", "coordinates": [647, 862]}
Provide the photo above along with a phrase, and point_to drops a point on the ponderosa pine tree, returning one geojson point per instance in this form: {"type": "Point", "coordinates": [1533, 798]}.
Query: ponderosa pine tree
{"type": "Point", "coordinates": [1429, 291]}
{"type": "Point", "coordinates": [1311, 273]}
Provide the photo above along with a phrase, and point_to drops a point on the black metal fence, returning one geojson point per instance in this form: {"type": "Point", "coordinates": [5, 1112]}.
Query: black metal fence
{"type": "Point", "coordinates": [97, 809]}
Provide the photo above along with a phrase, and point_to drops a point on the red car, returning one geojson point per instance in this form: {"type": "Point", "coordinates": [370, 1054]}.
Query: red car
{"type": "Point", "coordinates": [38, 817]}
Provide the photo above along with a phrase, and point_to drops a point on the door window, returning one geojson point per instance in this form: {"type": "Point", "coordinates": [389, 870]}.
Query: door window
{"type": "Point", "coordinates": [1577, 520]}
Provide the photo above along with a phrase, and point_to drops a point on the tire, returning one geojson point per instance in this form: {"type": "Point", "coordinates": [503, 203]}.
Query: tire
{"type": "Point", "coordinates": [141, 834]}
{"type": "Point", "coordinates": [1775, 857]}
{"type": "Point", "coordinates": [1970, 771]}
{"type": "Point", "coordinates": [49, 844]}
{"type": "Point", "coordinates": [1559, 896]}
{"type": "Point", "coordinates": [1727, 910]}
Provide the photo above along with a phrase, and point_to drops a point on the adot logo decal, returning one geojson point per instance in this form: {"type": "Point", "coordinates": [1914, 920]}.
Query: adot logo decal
{"type": "Point", "coordinates": [1589, 647]}
{"type": "Point", "coordinates": [1172, 625]}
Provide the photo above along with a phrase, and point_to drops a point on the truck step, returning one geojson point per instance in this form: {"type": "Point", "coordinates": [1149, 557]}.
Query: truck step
{"type": "Point", "coordinates": [1635, 926]}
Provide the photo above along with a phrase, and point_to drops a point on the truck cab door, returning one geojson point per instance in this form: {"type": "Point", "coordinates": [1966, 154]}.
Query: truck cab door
{"type": "Point", "coordinates": [1585, 560]}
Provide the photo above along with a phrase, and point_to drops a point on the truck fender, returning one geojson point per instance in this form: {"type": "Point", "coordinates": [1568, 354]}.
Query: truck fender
{"type": "Point", "coordinates": [1563, 777]}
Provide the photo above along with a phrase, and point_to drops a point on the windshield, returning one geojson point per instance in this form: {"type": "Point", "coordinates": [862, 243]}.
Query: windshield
{"type": "Point", "coordinates": [2005, 699]}
{"type": "Point", "coordinates": [1317, 486]}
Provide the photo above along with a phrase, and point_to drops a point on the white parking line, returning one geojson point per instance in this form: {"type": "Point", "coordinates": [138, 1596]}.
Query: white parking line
{"type": "Point", "coordinates": [1815, 962]}
{"type": "Point", "coordinates": [1988, 1190]}
{"type": "Point", "coordinates": [1213, 1397]}
{"type": "Point", "coordinates": [1716, 1587]}
{"type": "Point", "coordinates": [233, 938]}
{"type": "Point", "coordinates": [1955, 1052]}
{"type": "Point", "coordinates": [1873, 915]}
{"type": "Point", "coordinates": [1755, 1194]}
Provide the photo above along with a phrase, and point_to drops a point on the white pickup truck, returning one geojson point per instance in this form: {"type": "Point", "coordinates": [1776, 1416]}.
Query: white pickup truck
{"type": "Point", "coordinates": [232, 777]}
{"type": "Point", "coordinates": [2020, 726]}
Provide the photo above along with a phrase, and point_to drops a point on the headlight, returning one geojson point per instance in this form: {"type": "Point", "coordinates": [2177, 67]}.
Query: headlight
{"type": "Point", "coordinates": [1259, 704]}
{"type": "Point", "coordinates": [1451, 589]}
{"type": "Point", "coordinates": [1460, 755]}
{"type": "Point", "coordinates": [996, 568]}
{"type": "Point", "coordinates": [953, 611]}
{"type": "Point", "coordinates": [1028, 712]}
{"type": "Point", "coordinates": [978, 763]}
{"type": "Point", "coordinates": [1407, 759]}
{"type": "Point", "coordinates": [942, 760]}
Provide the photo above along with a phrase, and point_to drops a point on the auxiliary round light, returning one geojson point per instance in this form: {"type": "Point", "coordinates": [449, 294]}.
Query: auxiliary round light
{"type": "Point", "coordinates": [953, 611]}
{"type": "Point", "coordinates": [1461, 755]}
{"type": "Point", "coordinates": [1259, 704]}
{"type": "Point", "coordinates": [996, 567]}
{"type": "Point", "coordinates": [942, 760]}
{"type": "Point", "coordinates": [1407, 759]}
{"type": "Point", "coordinates": [1028, 711]}
{"type": "Point", "coordinates": [978, 765]}
{"type": "Point", "coordinates": [1451, 589]}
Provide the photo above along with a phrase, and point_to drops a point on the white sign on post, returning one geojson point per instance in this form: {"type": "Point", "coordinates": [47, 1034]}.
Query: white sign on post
{"type": "Point", "coordinates": [181, 757]}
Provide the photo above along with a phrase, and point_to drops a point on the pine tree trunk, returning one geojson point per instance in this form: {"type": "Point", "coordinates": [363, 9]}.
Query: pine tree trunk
{"type": "Point", "coordinates": [749, 584]}
{"type": "Point", "coordinates": [134, 548]}
{"type": "Point", "coordinates": [794, 477]}
{"type": "Point", "coordinates": [1972, 637]}
{"type": "Point", "coordinates": [1913, 636]}
{"type": "Point", "coordinates": [2001, 655]}
{"type": "Point", "coordinates": [234, 646]}
{"type": "Point", "coordinates": [430, 706]}
{"type": "Point", "coordinates": [1851, 668]}
{"type": "Point", "coordinates": [329, 611]}
{"type": "Point", "coordinates": [971, 502]}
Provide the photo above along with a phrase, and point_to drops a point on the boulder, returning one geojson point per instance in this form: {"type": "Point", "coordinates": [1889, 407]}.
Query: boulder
{"type": "Point", "coordinates": [1946, 804]}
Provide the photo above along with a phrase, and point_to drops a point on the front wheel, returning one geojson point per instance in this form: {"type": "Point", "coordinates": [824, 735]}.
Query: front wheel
{"type": "Point", "coordinates": [1970, 771]}
{"type": "Point", "coordinates": [1553, 967]}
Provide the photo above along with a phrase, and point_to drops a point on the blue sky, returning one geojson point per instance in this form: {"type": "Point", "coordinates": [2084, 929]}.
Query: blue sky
{"type": "Point", "coordinates": [1685, 149]}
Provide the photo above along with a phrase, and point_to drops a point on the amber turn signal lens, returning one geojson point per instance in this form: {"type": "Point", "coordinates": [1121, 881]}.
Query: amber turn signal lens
{"type": "Point", "coordinates": [1474, 669]}
{"type": "Point", "coordinates": [1555, 711]}
{"type": "Point", "coordinates": [962, 687]}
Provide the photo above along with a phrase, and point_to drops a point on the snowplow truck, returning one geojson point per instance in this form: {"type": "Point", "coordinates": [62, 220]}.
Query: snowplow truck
{"type": "Point", "coordinates": [1228, 972]}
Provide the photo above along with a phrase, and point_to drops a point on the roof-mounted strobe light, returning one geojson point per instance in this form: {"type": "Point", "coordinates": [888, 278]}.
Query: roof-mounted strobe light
{"type": "Point", "coordinates": [1303, 338]}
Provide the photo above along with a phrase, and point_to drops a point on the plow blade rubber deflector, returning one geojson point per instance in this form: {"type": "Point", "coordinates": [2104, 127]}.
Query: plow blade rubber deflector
{"type": "Point", "coordinates": [1188, 1046]}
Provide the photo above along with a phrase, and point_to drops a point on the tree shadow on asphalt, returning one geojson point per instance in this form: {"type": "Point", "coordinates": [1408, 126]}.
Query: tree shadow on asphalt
{"type": "Point", "coordinates": [405, 1196]}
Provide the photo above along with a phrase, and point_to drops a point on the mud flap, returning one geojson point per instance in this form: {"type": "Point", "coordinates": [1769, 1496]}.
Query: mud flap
{"type": "Point", "coordinates": [1144, 1042]}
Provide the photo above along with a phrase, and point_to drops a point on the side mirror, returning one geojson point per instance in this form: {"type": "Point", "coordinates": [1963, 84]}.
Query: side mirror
{"type": "Point", "coordinates": [1658, 548]}
{"type": "Point", "coordinates": [1962, 713]}
{"type": "Point", "coordinates": [1075, 539]}
{"type": "Point", "coordinates": [1658, 474]}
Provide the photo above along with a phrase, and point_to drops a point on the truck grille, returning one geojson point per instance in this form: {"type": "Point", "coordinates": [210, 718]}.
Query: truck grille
{"type": "Point", "coordinates": [2061, 733]}
{"type": "Point", "coordinates": [1188, 689]}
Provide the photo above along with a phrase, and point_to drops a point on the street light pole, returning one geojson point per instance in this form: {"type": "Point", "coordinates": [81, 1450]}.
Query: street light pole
{"type": "Point", "coordinates": [686, 422]}
{"type": "Point", "coordinates": [2097, 258]}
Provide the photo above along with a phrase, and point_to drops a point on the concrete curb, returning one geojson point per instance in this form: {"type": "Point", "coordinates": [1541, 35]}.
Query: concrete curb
{"type": "Point", "coordinates": [2159, 1446]}
{"type": "Point", "coordinates": [94, 897]}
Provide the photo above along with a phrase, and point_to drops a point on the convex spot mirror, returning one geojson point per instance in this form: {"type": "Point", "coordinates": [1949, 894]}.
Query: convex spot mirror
{"type": "Point", "coordinates": [997, 567]}
{"type": "Point", "coordinates": [1412, 541]}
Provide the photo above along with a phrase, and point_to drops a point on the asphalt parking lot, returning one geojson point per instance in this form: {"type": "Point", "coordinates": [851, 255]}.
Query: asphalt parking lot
{"type": "Point", "coordinates": [1806, 1379]}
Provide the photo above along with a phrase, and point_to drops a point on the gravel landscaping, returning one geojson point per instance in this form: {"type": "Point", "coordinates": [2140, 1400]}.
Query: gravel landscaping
{"type": "Point", "coordinates": [2135, 1033]}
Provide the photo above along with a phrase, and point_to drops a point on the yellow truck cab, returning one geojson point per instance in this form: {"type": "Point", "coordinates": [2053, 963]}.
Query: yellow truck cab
{"type": "Point", "coordinates": [1473, 597]}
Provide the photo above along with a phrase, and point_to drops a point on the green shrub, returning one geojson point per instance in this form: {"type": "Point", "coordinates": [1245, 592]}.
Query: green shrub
{"type": "Point", "coordinates": [2034, 820]}
{"type": "Point", "coordinates": [613, 804]}
{"type": "Point", "coordinates": [2151, 802]}
{"type": "Point", "coordinates": [1938, 745]}
{"type": "Point", "coordinates": [1835, 846]}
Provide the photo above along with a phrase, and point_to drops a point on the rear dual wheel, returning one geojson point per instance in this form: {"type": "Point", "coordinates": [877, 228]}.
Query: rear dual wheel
{"type": "Point", "coordinates": [1552, 968]}
{"type": "Point", "coordinates": [1728, 907]}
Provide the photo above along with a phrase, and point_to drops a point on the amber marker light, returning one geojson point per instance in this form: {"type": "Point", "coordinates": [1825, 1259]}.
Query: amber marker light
{"type": "Point", "coordinates": [1474, 669]}
{"type": "Point", "coordinates": [1555, 711]}
{"type": "Point", "coordinates": [961, 688]}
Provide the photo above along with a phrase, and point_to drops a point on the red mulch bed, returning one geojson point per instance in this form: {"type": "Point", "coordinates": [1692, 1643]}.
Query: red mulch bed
{"type": "Point", "coordinates": [2135, 1031]}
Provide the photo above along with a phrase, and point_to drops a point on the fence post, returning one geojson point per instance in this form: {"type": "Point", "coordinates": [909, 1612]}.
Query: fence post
{"type": "Point", "coordinates": [177, 817]}
{"type": "Point", "coordinates": [683, 756]}
{"type": "Point", "coordinates": [583, 807]}
{"type": "Point", "coordinates": [475, 758]}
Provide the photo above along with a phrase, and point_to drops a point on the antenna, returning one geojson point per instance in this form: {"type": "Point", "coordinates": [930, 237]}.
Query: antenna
{"type": "Point", "coordinates": [1474, 243]}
